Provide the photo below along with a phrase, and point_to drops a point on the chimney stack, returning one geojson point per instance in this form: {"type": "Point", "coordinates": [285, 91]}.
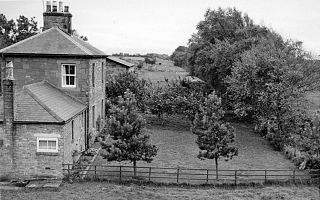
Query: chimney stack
{"type": "Point", "coordinates": [57, 15]}
{"type": "Point", "coordinates": [8, 99]}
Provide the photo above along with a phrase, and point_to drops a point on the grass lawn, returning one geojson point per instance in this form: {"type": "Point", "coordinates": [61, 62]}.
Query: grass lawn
{"type": "Point", "coordinates": [104, 190]}
{"type": "Point", "coordinates": [177, 147]}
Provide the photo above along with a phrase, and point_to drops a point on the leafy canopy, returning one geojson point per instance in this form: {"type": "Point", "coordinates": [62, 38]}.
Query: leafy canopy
{"type": "Point", "coordinates": [14, 31]}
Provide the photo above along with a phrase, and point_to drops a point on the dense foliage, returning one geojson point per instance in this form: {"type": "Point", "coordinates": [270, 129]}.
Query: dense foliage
{"type": "Point", "coordinates": [180, 57]}
{"type": "Point", "coordinates": [214, 135]}
{"type": "Point", "coordinates": [150, 60]}
{"type": "Point", "coordinates": [117, 85]}
{"type": "Point", "coordinates": [125, 125]}
{"type": "Point", "coordinates": [176, 97]}
{"type": "Point", "coordinates": [12, 31]}
{"type": "Point", "coordinates": [219, 42]}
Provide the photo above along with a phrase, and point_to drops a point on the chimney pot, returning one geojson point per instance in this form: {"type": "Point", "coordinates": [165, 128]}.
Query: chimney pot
{"type": "Point", "coordinates": [54, 6]}
{"type": "Point", "coordinates": [60, 6]}
{"type": "Point", "coordinates": [48, 6]}
{"type": "Point", "coordinates": [66, 8]}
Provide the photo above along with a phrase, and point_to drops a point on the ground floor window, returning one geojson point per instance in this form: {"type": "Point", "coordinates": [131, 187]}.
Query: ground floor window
{"type": "Point", "coordinates": [47, 145]}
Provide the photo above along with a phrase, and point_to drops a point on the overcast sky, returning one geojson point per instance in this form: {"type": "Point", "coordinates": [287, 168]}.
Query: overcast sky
{"type": "Point", "coordinates": [142, 26]}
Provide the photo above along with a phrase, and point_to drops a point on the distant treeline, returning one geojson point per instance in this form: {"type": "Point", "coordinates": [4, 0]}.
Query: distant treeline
{"type": "Point", "coordinates": [148, 55]}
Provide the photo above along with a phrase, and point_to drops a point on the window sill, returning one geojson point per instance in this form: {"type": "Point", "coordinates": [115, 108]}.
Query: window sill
{"type": "Point", "coordinates": [71, 87]}
{"type": "Point", "coordinates": [47, 153]}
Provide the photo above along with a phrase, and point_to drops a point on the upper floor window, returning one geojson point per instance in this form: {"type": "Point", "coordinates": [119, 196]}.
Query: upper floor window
{"type": "Point", "coordinates": [68, 75]}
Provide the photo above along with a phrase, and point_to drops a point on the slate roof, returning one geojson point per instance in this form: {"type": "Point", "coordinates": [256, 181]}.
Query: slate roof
{"type": "Point", "coordinates": [53, 42]}
{"type": "Point", "coordinates": [43, 103]}
{"type": "Point", "coordinates": [120, 61]}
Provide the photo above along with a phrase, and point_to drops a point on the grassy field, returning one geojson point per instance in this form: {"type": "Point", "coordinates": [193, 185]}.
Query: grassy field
{"type": "Point", "coordinates": [163, 69]}
{"type": "Point", "coordinates": [177, 147]}
{"type": "Point", "coordinates": [104, 190]}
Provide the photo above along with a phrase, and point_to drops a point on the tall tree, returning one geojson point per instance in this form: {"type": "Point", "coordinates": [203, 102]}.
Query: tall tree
{"type": "Point", "coordinates": [221, 38]}
{"type": "Point", "coordinates": [180, 56]}
{"type": "Point", "coordinates": [14, 31]}
{"type": "Point", "coordinates": [126, 127]}
{"type": "Point", "coordinates": [269, 84]}
{"type": "Point", "coordinates": [214, 135]}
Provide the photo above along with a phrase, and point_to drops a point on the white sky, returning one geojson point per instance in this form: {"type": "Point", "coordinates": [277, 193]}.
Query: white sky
{"type": "Point", "coordinates": [146, 26]}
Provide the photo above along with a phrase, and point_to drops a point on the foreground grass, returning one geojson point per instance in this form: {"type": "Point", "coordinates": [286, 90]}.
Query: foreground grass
{"type": "Point", "coordinates": [104, 190]}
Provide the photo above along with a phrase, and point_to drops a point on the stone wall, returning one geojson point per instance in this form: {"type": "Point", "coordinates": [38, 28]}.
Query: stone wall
{"type": "Point", "coordinates": [114, 69]}
{"type": "Point", "coordinates": [96, 95]}
{"type": "Point", "coordinates": [29, 70]}
{"type": "Point", "coordinates": [27, 162]}
{"type": "Point", "coordinates": [78, 141]}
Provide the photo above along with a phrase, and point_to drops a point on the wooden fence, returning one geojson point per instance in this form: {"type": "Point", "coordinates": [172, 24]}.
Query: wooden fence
{"type": "Point", "coordinates": [189, 175]}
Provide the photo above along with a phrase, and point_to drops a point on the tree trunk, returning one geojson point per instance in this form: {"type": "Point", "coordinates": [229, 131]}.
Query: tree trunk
{"type": "Point", "coordinates": [216, 161]}
{"type": "Point", "coordinates": [134, 168]}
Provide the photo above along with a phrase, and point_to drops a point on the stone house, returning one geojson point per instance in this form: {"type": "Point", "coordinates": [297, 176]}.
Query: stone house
{"type": "Point", "coordinates": [59, 97]}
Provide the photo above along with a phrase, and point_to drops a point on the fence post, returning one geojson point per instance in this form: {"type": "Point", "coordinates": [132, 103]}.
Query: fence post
{"type": "Point", "coordinates": [207, 176]}
{"type": "Point", "coordinates": [265, 176]}
{"type": "Point", "coordinates": [178, 175]}
{"type": "Point", "coordinates": [149, 174]}
{"type": "Point", "coordinates": [120, 174]}
{"type": "Point", "coordinates": [235, 177]}
{"type": "Point", "coordinates": [95, 172]}
{"type": "Point", "coordinates": [294, 176]}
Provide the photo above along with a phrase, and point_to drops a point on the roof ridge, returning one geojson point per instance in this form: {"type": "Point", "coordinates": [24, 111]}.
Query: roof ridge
{"type": "Point", "coordinates": [25, 40]}
{"type": "Point", "coordinates": [86, 50]}
{"type": "Point", "coordinates": [63, 92]}
{"type": "Point", "coordinates": [51, 112]}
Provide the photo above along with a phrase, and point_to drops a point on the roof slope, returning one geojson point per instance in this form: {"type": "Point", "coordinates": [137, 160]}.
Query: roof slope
{"type": "Point", "coordinates": [42, 102]}
{"type": "Point", "coordinates": [120, 61]}
{"type": "Point", "coordinates": [53, 42]}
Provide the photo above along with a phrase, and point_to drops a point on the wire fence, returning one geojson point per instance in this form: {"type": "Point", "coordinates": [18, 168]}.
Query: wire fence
{"type": "Point", "coordinates": [189, 175]}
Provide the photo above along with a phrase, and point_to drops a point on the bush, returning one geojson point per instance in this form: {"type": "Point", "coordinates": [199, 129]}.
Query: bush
{"type": "Point", "coordinates": [117, 85]}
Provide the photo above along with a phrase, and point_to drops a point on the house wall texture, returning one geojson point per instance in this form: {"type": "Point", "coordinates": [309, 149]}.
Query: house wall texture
{"type": "Point", "coordinates": [78, 141]}
{"type": "Point", "coordinates": [114, 69]}
{"type": "Point", "coordinates": [96, 102]}
{"type": "Point", "coordinates": [29, 70]}
{"type": "Point", "coordinates": [19, 156]}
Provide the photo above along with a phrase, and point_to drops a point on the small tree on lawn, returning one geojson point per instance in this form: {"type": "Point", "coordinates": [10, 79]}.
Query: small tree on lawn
{"type": "Point", "coordinates": [214, 135]}
{"type": "Point", "coordinates": [125, 126]}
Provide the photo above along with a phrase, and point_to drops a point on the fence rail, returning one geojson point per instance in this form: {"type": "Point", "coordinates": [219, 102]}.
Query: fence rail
{"type": "Point", "coordinates": [190, 175]}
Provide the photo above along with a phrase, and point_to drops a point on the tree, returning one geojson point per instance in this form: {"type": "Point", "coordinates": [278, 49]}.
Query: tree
{"type": "Point", "coordinates": [268, 86]}
{"type": "Point", "coordinates": [150, 60]}
{"type": "Point", "coordinates": [214, 135]}
{"type": "Point", "coordinates": [12, 32]}
{"type": "Point", "coordinates": [176, 97]}
{"type": "Point", "coordinates": [221, 38]}
{"type": "Point", "coordinates": [117, 85]}
{"type": "Point", "coordinates": [75, 33]}
{"type": "Point", "coordinates": [180, 56]}
{"type": "Point", "coordinates": [125, 126]}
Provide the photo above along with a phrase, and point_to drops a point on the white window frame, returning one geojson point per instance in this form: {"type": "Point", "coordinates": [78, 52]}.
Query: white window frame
{"type": "Point", "coordinates": [63, 75]}
{"type": "Point", "coordinates": [56, 150]}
